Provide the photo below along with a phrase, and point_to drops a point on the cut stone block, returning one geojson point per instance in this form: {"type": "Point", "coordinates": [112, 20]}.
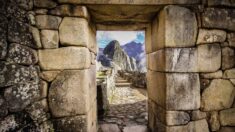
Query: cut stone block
{"type": "Point", "coordinates": [70, 10]}
{"type": "Point", "coordinates": [163, 89]}
{"type": "Point", "coordinates": [231, 39]}
{"type": "Point", "coordinates": [74, 31]}
{"type": "Point", "coordinates": [64, 58]}
{"type": "Point", "coordinates": [222, 97]}
{"type": "Point", "coordinates": [43, 87]}
{"type": "Point", "coordinates": [228, 58]}
{"type": "Point", "coordinates": [20, 54]}
{"type": "Point", "coordinates": [50, 39]}
{"type": "Point", "coordinates": [220, 18]}
{"type": "Point", "coordinates": [176, 27]}
{"type": "Point", "coordinates": [72, 93]}
{"type": "Point", "coordinates": [214, 122]}
{"type": "Point", "coordinates": [227, 129]}
{"type": "Point", "coordinates": [211, 36]}
{"type": "Point", "coordinates": [198, 115]}
{"type": "Point", "coordinates": [218, 74]}
{"type": "Point", "coordinates": [36, 37]}
{"type": "Point", "coordinates": [49, 75]}
{"type": "Point", "coordinates": [205, 58]}
{"type": "Point", "coordinates": [48, 22]}
{"type": "Point", "coordinates": [227, 117]}
{"type": "Point", "coordinates": [229, 74]}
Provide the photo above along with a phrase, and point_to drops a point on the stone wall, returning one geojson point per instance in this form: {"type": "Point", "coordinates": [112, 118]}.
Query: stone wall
{"type": "Point", "coordinates": [191, 69]}
{"type": "Point", "coordinates": [47, 67]}
{"type": "Point", "coordinates": [137, 79]}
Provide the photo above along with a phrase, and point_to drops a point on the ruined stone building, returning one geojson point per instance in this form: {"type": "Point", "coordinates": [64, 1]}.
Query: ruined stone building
{"type": "Point", "coordinates": [47, 62]}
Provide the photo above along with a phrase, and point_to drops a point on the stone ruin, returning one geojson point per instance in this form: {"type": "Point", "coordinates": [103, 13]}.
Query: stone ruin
{"type": "Point", "coordinates": [47, 62]}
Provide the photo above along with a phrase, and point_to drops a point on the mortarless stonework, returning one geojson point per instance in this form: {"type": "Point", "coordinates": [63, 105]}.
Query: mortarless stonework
{"type": "Point", "coordinates": [190, 63]}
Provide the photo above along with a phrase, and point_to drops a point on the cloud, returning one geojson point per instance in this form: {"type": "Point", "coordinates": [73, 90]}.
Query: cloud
{"type": "Point", "coordinates": [124, 37]}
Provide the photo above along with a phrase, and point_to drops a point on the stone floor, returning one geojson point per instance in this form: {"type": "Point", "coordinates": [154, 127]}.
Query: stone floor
{"type": "Point", "coordinates": [127, 112]}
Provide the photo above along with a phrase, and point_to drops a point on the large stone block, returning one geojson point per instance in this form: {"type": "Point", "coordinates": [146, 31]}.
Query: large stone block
{"type": "Point", "coordinates": [211, 36]}
{"type": "Point", "coordinates": [48, 22]}
{"type": "Point", "coordinates": [44, 3]}
{"type": "Point", "coordinates": [205, 58]}
{"type": "Point", "coordinates": [214, 122]}
{"type": "Point", "coordinates": [70, 10]}
{"type": "Point", "coordinates": [19, 96]}
{"type": "Point", "coordinates": [213, 75]}
{"type": "Point", "coordinates": [219, 18]}
{"type": "Point", "coordinates": [49, 75]}
{"type": "Point", "coordinates": [50, 39]}
{"type": "Point", "coordinates": [20, 33]}
{"type": "Point", "coordinates": [222, 97]}
{"type": "Point", "coordinates": [194, 126]}
{"type": "Point", "coordinates": [229, 74]}
{"type": "Point", "coordinates": [11, 74]}
{"type": "Point", "coordinates": [74, 31]}
{"type": "Point", "coordinates": [21, 55]}
{"type": "Point", "coordinates": [164, 88]}
{"type": "Point", "coordinates": [228, 58]}
{"type": "Point", "coordinates": [72, 93]}
{"type": "Point", "coordinates": [209, 58]}
{"type": "Point", "coordinates": [227, 117]}
{"type": "Point", "coordinates": [176, 27]}
{"type": "Point", "coordinates": [64, 58]}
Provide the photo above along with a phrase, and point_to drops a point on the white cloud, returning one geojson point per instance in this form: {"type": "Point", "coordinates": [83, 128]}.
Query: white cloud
{"type": "Point", "coordinates": [122, 36]}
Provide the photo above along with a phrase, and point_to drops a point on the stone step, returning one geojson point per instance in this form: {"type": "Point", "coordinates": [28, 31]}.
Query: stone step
{"type": "Point", "coordinates": [109, 128]}
{"type": "Point", "coordinates": [136, 128]}
{"type": "Point", "coordinates": [122, 84]}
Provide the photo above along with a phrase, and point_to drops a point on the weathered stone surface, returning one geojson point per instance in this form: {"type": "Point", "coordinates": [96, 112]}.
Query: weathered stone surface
{"type": "Point", "coordinates": [136, 2]}
{"type": "Point", "coordinates": [227, 117]}
{"type": "Point", "coordinates": [20, 54]}
{"type": "Point", "coordinates": [38, 111]}
{"type": "Point", "coordinates": [64, 58]}
{"type": "Point", "coordinates": [136, 128]}
{"type": "Point", "coordinates": [36, 37]}
{"type": "Point", "coordinates": [43, 87]}
{"type": "Point", "coordinates": [19, 96]}
{"type": "Point", "coordinates": [205, 58]}
{"type": "Point", "coordinates": [4, 107]}
{"type": "Point", "coordinates": [69, 93]}
{"type": "Point", "coordinates": [71, 124]}
{"type": "Point", "coordinates": [231, 39]}
{"type": "Point", "coordinates": [11, 74]}
{"type": "Point", "coordinates": [194, 126]}
{"type": "Point", "coordinates": [228, 58]}
{"type": "Point", "coordinates": [48, 22]}
{"type": "Point", "coordinates": [14, 122]}
{"type": "Point", "coordinates": [174, 60]}
{"type": "Point", "coordinates": [214, 121]}
{"type": "Point", "coordinates": [227, 129]}
{"type": "Point", "coordinates": [230, 73]}
{"type": "Point", "coordinates": [221, 98]}
{"type": "Point", "coordinates": [233, 82]}
{"type": "Point", "coordinates": [93, 58]}
{"type": "Point", "coordinates": [209, 57]}
{"type": "Point", "coordinates": [31, 17]}
{"type": "Point", "coordinates": [211, 36]}
{"type": "Point", "coordinates": [198, 115]}
{"type": "Point", "coordinates": [49, 75]}
{"type": "Point", "coordinates": [221, 3]}
{"type": "Point", "coordinates": [74, 31]}
{"type": "Point", "coordinates": [218, 74]}
{"type": "Point", "coordinates": [41, 11]}
{"type": "Point", "coordinates": [45, 3]}
{"type": "Point", "coordinates": [169, 84]}
{"type": "Point", "coordinates": [109, 127]}
{"type": "Point", "coordinates": [168, 32]}
{"type": "Point", "coordinates": [70, 10]}
{"type": "Point", "coordinates": [19, 32]}
{"type": "Point", "coordinates": [177, 118]}
{"type": "Point", "coordinates": [3, 46]}
{"type": "Point", "coordinates": [25, 4]}
{"type": "Point", "coordinates": [16, 13]}
{"type": "Point", "coordinates": [50, 39]}
{"type": "Point", "coordinates": [219, 18]}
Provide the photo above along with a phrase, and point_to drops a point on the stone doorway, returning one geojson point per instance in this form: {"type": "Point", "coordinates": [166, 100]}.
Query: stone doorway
{"type": "Point", "coordinates": [47, 67]}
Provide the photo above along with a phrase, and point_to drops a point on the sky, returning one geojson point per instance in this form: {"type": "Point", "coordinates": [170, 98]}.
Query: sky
{"type": "Point", "coordinates": [123, 37]}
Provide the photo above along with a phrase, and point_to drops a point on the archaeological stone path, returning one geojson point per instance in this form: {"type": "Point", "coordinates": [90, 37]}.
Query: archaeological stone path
{"type": "Point", "coordinates": [48, 64]}
{"type": "Point", "coordinates": [128, 108]}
